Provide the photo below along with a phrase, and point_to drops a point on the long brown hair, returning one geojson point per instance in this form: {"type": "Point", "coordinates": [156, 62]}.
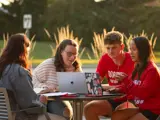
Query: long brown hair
{"type": "Point", "coordinates": [145, 53]}
{"type": "Point", "coordinates": [15, 52]}
{"type": "Point", "coordinates": [59, 63]}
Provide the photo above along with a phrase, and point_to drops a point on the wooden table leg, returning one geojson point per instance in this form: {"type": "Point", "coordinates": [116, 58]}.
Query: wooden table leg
{"type": "Point", "coordinates": [77, 109]}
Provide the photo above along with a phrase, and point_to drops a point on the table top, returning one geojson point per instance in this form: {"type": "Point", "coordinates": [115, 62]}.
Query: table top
{"type": "Point", "coordinates": [84, 97]}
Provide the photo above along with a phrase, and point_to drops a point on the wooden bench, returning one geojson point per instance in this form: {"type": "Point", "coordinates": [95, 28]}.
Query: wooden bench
{"type": "Point", "coordinates": [5, 109]}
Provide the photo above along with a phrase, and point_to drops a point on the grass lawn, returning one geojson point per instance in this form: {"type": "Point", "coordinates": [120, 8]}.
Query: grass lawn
{"type": "Point", "coordinates": [43, 51]}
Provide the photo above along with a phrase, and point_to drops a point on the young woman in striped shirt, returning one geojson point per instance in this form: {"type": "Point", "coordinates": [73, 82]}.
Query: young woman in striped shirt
{"type": "Point", "coordinates": [44, 75]}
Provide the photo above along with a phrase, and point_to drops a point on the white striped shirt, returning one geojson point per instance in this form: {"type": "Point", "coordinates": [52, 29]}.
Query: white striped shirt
{"type": "Point", "coordinates": [44, 75]}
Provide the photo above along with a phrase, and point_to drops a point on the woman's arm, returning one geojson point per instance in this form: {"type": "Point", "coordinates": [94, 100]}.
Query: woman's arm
{"type": "Point", "coordinates": [149, 86]}
{"type": "Point", "coordinates": [44, 76]}
{"type": "Point", "coordinates": [23, 88]}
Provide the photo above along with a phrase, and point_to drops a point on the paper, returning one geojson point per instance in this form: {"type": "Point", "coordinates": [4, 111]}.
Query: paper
{"type": "Point", "coordinates": [57, 94]}
{"type": "Point", "coordinates": [38, 90]}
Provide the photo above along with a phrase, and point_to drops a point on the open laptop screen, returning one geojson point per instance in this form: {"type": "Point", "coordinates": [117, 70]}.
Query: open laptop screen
{"type": "Point", "coordinates": [79, 82]}
{"type": "Point", "coordinates": [93, 84]}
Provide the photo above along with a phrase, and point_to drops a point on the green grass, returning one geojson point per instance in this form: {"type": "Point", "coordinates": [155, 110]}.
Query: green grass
{"type": "Point", "coordinates": [43, 51]}
{"type": "Point", "coordinates": [1, 44]}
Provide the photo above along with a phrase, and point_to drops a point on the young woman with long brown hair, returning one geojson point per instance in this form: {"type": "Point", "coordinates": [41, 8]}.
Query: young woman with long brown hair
{"type": "Point", "coordinates": [143, 84]}
{"type": "Point", "coordinates": [16, 78]}
{"type": "Point", "coordinates": [45, 76]}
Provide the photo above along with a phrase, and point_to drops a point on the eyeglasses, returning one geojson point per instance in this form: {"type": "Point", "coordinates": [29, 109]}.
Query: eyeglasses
{"type": "Point", "coordinates": [70, 54]}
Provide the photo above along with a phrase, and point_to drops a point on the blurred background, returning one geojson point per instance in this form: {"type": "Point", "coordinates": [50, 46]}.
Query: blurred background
{"type": "Point", "coordinates": [85, 20]}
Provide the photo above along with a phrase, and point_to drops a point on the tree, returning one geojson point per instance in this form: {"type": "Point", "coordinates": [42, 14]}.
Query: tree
{"type": "Point", "coordinates": [13, 19]}
{"type": "Point", "coordinates": [87, 16]}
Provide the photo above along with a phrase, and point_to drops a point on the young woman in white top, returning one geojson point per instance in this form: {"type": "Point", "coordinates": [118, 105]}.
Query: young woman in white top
{"type": "Point", "coordinates": [44, 75]}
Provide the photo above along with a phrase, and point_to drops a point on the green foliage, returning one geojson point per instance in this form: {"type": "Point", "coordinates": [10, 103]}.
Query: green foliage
{"type": "Point", "coordinates": [87, 16]}
{"type": "Point", "coordinates": [84, 17]}
{"type": "Point", "coordinates": [62, 34]}
{"type": "Point", "coordinates": [77, 13]}
{"type": "Point", "coordinates": [41, 50]}
{"type": "Point", "coordinates": [98, 48]}
{"type": "Point", "coordinates": [13, 19]}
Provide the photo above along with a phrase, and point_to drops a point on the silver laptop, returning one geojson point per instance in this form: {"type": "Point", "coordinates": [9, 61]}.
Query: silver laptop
{"type": "Point", "coordinates": [74, 82]}
{"type": "Point", "coordinates": [80, 82]}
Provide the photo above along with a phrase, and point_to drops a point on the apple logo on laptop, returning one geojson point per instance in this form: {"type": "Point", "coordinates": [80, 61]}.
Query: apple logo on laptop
{"type": "Point", "coordinates": [72, 82]}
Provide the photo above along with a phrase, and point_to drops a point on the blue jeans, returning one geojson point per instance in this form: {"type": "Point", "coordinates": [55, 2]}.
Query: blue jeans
{"type": "Point", "coordinates": [61, 108]}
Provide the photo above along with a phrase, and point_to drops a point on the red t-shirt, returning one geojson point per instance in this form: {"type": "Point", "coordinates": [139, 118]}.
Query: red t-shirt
{"type": "Point", "coordinates": [106, 67]}
{"type": "Point", "coordinates": [146, 91]}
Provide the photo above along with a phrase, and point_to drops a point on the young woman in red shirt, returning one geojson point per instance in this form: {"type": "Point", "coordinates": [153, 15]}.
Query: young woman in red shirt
{"type": "Point", "coordinates": [143, 84]}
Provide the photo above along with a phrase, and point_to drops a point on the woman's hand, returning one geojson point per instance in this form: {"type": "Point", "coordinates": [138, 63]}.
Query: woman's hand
{"type": "Point", "coordinates": [47, 90]}
{"type": "Point", "coordinates": [121, 76]}
{"type": "Point", "coordinates": [114, 89]}
{"type": "Point", "coordinates": [106, 87]}
{"type": "Point", "coordinates": [43, 99]}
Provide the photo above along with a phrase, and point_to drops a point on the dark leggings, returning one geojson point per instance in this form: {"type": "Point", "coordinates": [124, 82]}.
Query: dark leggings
{"type": "Point", "coordinates": [114, 104]}
{"type": "Point", "coordinates": [149, 115]}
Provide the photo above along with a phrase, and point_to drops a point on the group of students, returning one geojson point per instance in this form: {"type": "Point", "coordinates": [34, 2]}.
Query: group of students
{"type": "Point", "coordinates": [16, 77]}
{"type": "Point", "coordinates": [133, 73]}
